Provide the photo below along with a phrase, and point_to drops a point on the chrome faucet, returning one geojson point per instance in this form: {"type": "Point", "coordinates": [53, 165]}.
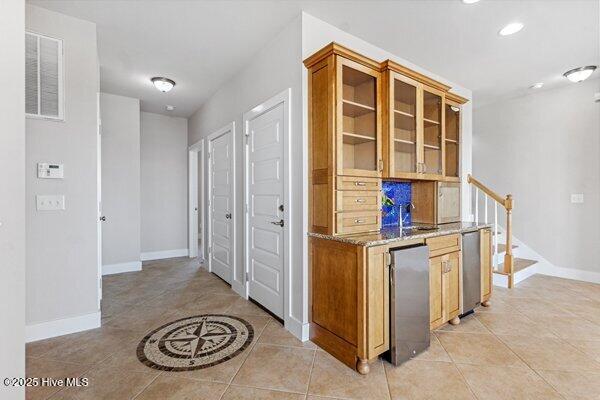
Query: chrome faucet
{"type": "Point", "coordinates": [401, 217]}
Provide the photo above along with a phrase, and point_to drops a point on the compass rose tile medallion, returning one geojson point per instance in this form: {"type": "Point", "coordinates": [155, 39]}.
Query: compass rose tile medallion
{"type": "Point", "coordinates": [195, 342]}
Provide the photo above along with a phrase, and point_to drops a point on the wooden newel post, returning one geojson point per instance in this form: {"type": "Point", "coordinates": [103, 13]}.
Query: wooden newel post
{"type": "Point", "coordinates": [508, 256]}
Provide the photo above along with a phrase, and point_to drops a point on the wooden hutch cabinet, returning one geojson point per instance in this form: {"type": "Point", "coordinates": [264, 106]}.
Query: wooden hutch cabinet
{"type": "Point", "coordinates": [370, 121]}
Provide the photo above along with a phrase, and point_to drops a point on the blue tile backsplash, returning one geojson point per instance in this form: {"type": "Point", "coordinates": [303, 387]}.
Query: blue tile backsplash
{"type": "Point", "coordinates": [395, 195]}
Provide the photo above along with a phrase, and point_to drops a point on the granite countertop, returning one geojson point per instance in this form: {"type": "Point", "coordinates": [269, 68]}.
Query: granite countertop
{"type": "Point", "coordinates": [395, 235]}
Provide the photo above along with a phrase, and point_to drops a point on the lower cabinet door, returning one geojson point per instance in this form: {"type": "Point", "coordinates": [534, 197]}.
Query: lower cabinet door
{"type": "Point", "coordinates": [453, 275]}
{"type": "Point", "coordinates": [436, 292]}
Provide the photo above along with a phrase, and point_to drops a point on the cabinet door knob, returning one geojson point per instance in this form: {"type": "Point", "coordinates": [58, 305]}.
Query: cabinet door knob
{"type": "Point", "coordinates": [358, 183]}
{"type": "Point", "coordinates": [360, 200]}
{"type": "Point", "coordinates": [359, 221]}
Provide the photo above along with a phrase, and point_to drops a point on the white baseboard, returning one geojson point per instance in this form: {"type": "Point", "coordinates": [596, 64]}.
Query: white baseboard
{"type": "Point", "coordinates": [159, 255]}
{"type": "Point", "coordinates": [570, 273]}
{"type": "Point", "coordinates": [297, 328]}
{"type": "Point", "coordinates": [131, 266]}
{"type": "Point", "coordinates": [59, 327]}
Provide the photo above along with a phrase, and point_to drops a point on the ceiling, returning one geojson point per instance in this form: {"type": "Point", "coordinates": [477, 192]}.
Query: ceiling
{"type": "Point", "coordinates": [200, 44]}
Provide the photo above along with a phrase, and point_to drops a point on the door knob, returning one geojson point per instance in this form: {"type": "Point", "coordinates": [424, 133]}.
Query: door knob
{"type": "Point", "coordinates": [228, 215]}
{"type": "Point", "coordinates": [103, 218]}
{"type": "Point", "coordinates": [280, 223]}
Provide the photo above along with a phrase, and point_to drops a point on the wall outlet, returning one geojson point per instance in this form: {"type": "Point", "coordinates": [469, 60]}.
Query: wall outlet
{"type": "Point", "coordinates": [577, 198]}
{"type": "Point", "coordinates": [50, 202]}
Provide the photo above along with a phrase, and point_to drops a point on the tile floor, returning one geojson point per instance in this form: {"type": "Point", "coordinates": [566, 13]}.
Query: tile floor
{"type": "Point", "coordinates": [540, 340]}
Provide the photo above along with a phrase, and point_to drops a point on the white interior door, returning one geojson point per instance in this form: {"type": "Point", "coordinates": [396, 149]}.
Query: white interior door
{"type": "Point", "coordinates": [221, 204]}
{"type": "Point", "coordinates": [265, 185]}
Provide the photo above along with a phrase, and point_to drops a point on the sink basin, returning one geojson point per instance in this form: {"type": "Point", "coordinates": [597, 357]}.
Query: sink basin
{"type": "Point", "coordinates": [420, 228]}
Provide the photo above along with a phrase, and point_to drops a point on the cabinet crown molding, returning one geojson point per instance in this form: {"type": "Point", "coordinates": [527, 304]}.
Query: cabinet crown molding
{"type": "Point", "coordinates": [338, 49]}
{"type": "Point", "coordinates": [453, 97]}
{"type": "Point", "coordinates": [417, 76]}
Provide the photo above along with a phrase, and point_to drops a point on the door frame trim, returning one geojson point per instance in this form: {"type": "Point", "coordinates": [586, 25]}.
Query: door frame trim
{"type": "Point", "coordinates": [284, 97]}
{"type": "Point", "coordinates": [230, 127]}
{"type": "Point", "coordinates": [195, 172]}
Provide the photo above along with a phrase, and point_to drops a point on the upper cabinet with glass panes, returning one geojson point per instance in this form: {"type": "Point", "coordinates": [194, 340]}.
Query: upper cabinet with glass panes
{"type": "Point", "coordinates": [414, 145]}
{"type": "Point", "coordinates": [359, 134]}
{"type": "Point", "coordinates": [369, 120]}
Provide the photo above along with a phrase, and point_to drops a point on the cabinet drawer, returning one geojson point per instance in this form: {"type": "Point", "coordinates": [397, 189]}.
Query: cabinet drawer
{"type": "Point", "coordinates": [360, 221]}
{"type": "Point", "coordinates": [356, 183]}
{"type": "Point", "coordinates": [356, 200]}
{"type": "Point", "coordinates": [443, 244]}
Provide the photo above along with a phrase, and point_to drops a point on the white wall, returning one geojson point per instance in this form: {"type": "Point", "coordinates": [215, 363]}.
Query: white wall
{"type": "Point", "coordinates": [62, 250]}
{"type": "Point", "coordinates": [12, 200]}
{"type": "Point", "coordinates": [120, 183]}
{"type": "Point", "coordinates": [542, 148]}
{"type": "Point", "coordinates": [276, 67]}
{"type": "Point", "coordinates": [164, 144]}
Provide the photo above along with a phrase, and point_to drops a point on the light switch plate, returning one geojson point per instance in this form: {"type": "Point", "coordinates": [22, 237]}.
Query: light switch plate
{"type": "Point", "coordinates": [577, 198]}
{"type": "Point", "coordinates": [50, 202]}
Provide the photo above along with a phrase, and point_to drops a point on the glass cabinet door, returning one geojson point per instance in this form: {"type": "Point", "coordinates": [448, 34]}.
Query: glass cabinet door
{"type": "Point", "coordinates": [452, 139]}
{"type": "Point", "coordinates": [360, 152]}
{"type": "Point", "coordinates": [404, 125]}
{"type": "Point", "coordinates": [432, 132]}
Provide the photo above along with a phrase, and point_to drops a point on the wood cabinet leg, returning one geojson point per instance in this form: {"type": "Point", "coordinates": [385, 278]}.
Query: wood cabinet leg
{"type": "Point", "coordinates": [455, 321]}
{"type": "Point", "coordinates": [362, 366]}
{"type": "Point", "coordinates": [485, 303]}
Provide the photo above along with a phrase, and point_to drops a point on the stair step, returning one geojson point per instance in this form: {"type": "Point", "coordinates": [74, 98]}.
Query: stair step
{"type": "Point", "coordinates": [519, 265]}
{"type": "Point", "coordinates": [502, 247]}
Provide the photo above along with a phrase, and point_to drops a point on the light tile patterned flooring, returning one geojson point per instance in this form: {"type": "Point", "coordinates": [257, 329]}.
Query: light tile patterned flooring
{"type": "Point", "coordinates": [540, 340]}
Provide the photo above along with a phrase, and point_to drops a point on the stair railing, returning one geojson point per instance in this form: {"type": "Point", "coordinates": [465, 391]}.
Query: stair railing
{"type": "Point", "coordinates": [507, 203]}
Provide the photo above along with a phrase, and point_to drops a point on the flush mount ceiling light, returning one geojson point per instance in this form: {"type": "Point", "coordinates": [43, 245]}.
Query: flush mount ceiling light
{"type": "Point", "coordinates": [470, 1]}
{"type": "Point", "coordinates": [511, 28]}
{"type": "Point", "coordinates": [169, 107]}
{"type": "Point", "coordinates": [579, 74]}
{"type": "Point", "coordinates": [537, 85]}
{"type": "Point", "coordinates": [163, 84]}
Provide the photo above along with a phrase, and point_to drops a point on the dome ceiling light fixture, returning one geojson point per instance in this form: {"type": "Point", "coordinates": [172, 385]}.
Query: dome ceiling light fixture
{"type": "Point", "coordinates": [579, 74]}
{"type": "Point", "coordinates": [163, 84]}
{"type": "Point", "coordinates": [470, 1]}
{"type": "Point", "coordinates": [538, 85]}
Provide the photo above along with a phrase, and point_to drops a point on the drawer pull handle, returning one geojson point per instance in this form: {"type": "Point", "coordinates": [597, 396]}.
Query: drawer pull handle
{"type": "Point", "coordinates": [360, 183]}
{"type": "Point", "coordinates": [359, 221]}
{"type": "Point", "coordinates": [360, 200]}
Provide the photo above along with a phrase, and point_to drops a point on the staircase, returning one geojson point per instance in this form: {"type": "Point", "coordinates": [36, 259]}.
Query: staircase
{"type": "Point", "coordinates": [508, 269]}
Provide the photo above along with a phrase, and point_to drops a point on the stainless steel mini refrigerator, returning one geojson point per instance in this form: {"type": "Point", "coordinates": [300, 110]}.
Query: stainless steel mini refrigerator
{"type": "Point", "coordinates": [409, 303]}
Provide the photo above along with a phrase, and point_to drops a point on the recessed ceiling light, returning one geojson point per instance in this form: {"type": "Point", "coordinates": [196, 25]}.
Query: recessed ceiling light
{"type": "Point", "coordinates": [163, 84]}
{"type": "Point", "coordinates": [537, 85]}
{"type": "Point", "coordinates": [511, 28]}
{"type": "Point", "coordinates": [470, 1]}
{"type": "Point", "coordinates": [169, 107]}
{"type": "Point", "coordinates": [579, 74]}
